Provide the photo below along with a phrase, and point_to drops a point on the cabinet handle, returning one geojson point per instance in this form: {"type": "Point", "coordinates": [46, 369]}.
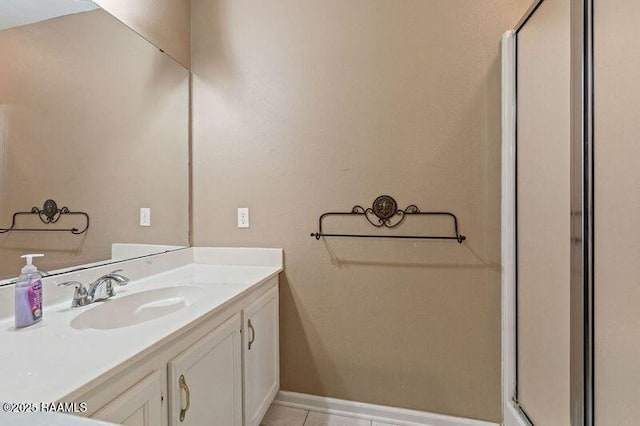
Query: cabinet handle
{"type": "Point", "coordinates": [183, 386]}
{"type": "Point", "coordinates": [253, 333]}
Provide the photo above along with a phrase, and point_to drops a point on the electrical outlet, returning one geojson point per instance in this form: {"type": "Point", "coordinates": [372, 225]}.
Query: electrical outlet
{"type": "Point", "coordinates": [243, 217]}
{"type": "Point", "coordinates": [145, 216]}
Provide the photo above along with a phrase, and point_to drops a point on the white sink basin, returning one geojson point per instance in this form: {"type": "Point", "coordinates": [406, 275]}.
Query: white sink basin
{"type": "Point", "coordinates": [136, 308]}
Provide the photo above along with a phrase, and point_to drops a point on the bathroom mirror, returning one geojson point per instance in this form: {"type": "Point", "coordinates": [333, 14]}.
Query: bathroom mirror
{"type": "Point", "coordinates": [95, 118]}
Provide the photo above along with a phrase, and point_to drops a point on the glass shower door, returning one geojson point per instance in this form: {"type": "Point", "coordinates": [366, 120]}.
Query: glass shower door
{"type": "Point", "coordinates": [543, 214]}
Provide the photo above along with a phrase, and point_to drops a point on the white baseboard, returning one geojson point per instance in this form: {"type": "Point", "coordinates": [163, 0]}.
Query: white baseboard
{"type": "Point", "coordinates": [379, 413]}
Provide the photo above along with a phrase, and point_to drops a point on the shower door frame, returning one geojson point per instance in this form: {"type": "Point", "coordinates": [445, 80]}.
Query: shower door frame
{"type": "Point", "coordinates": [582, 220]}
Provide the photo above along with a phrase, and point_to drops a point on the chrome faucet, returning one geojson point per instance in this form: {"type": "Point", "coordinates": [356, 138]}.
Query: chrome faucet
{"type": "Point", "coordinates": [100, 289]}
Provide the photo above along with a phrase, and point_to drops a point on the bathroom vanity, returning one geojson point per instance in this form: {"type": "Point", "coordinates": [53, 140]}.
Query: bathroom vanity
{"type": "Point", "coordinates": [191, 340]}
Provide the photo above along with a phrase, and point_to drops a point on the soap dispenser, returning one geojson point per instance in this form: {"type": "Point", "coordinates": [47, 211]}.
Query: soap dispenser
{"type": "Point", "coordinates": [29, 294]}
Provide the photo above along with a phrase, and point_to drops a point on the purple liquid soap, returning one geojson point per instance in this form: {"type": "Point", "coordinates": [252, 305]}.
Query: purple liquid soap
{"type": "Point", "coordinates": [28, 305]}
{"type": "Point", "coordinates": [28, 295]}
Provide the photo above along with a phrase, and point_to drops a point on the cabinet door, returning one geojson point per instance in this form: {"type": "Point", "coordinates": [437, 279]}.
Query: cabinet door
{"type": "Point", "coordinates": [261, 356]}
{"type": "Point", "coordinates": [205, 384]}
{"type": "Point", "coordinates": [140, 405]}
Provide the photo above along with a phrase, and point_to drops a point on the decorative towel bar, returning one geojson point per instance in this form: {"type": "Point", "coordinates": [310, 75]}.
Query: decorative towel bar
{"type": "Point", "coordinates": [50, 213]}
{"type": "Point", "coordinates": [384, 213]}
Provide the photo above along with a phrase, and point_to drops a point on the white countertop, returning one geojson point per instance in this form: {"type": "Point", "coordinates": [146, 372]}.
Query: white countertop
{"type": "Point", "coordinates": [50, 360]}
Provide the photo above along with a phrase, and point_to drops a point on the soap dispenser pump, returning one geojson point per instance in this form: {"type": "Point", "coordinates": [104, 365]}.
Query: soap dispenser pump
{"type": "Point", "coordinates": [28, 299]}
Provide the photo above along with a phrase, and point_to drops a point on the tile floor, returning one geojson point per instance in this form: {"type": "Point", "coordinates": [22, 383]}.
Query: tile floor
{"type": "Point", "coordinates": [279, 415]}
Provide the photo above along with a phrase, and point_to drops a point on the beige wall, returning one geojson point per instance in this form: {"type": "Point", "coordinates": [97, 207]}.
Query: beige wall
{"type": "Point", "coordinates": [304, 107]}
{"type": "Point", "coordinates": [617, 202]}
{"type": "Point", "coordinates": [543, 214]}
{"type": "Point", "coordinates": [165, 23]}
{"type": "Point", "coordinates": [96, 118]}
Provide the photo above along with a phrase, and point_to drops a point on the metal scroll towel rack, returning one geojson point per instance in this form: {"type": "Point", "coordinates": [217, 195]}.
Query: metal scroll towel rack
{"type": "Point", "coordinates": [50, 213]}
{"type": "Point", "coordinates": [384, 213]}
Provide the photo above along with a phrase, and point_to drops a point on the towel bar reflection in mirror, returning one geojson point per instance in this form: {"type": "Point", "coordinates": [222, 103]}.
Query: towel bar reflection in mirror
{"type": "Point", "coordinates": [50, 213]}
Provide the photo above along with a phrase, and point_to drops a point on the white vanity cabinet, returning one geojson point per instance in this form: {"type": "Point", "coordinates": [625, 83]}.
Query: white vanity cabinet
{"type": "Point", "coordinates": [222, 371]}
{"type": "Point", "coordinates": [261, 356]}
{"type": "Point", "coordinates": [140, 405]}
{"type": "Point", "coordinates": [205, 381]}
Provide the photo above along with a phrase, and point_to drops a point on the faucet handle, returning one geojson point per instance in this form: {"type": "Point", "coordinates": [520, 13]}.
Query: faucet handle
{"type": "Point", "coordinates": [122, 280]}
{"type": "Point", "coordinates": [110, 278]}
{"type": "Point", "coordinates": [80, 295]}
